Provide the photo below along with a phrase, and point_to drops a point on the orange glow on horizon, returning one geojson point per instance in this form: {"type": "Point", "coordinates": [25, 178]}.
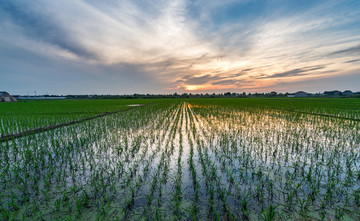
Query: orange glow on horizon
{"type": "Point", "coordinates": [207, 87]}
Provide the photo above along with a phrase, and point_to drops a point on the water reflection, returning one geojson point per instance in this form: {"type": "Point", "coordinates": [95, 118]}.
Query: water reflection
{"type": "Point", "coordinates": [182, 160]}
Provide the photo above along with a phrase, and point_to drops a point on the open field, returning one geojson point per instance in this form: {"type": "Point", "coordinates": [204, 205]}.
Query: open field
{"type": "Point", "coordinates": [191, 159]}
{"type": "Point", "coordinates": [22, 116]}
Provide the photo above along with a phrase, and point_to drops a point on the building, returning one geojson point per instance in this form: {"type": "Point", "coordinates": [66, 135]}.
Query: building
{"type": "Point", "coordinates": [347, 93]}
{"type": "Point", "coordinates": [334, 93]}
{"type": "Point", "coordinates": [300, 94]}
{"type": "Point", "coordinates": [6, 97]}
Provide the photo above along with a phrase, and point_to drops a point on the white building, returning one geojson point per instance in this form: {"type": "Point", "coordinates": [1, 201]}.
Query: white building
{"type": "Point", "coordinates": [6, 97]}
{"type": "Point", "coordinates": [300, 94]}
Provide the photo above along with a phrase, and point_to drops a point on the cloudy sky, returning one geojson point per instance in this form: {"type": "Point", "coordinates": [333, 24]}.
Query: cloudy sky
{"type": "Point", "coordinates": [194, 46]}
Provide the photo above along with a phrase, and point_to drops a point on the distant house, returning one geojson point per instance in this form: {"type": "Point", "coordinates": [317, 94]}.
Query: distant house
{"type": "Point", "coordinates": [300, 94]}
{"type": "Point", "coordinates": [6, 97]}
{"type": "Point", "coordinates": [347, 93]}
{"type": "Point", "coordinates": [333, 93]}
{"type": "Point", "coordinates": [337, 93]}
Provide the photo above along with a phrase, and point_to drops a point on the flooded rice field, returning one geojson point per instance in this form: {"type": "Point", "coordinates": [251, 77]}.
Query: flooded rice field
{"type": "Point", "coordinates": [186, 160]}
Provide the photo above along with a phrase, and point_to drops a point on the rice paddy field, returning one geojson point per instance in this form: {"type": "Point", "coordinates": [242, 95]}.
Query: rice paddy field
{"type": "Point", "coordinates": [191, 159]}
{"type": "Point", "coordinates": [22, 116]}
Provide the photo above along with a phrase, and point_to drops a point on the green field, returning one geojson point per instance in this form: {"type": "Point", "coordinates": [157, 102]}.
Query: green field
{"type": "Point", "coordinates": [190, 159]}
{"type": "Point", "coordinates": [21, 116]}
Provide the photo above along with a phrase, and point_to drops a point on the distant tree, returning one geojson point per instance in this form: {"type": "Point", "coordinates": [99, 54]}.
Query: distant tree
{"type": "Point", "coordinates": [273, 93]}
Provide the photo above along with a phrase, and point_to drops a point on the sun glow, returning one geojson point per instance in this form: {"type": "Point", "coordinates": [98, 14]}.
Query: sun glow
{"type": "Point", "coordinates": [207, 87]}
{"type": "Point", "coordinates": [196, 87]}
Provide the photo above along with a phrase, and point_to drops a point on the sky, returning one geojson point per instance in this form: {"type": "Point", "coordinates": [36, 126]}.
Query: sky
{"type": "Point", "coordinates": [184, 46]}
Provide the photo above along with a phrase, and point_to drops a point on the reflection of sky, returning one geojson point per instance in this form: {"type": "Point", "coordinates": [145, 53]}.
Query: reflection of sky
{"type": "Point", "coordinates": [258, 128]}
{"type": "Point", "coordinates": [89, 46]}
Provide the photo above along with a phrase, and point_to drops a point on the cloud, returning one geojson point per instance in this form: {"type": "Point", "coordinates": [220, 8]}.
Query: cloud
{"type": "Point", "coordinates": [216, 78]}
{"type": "Point", "coordinates": [181, 43]}
{"type": "Point", "coordinates": [352, 61]}
{"type": "Point", "coordinates": [230, 82]}
{"type": "Point", "coordinates": [347, 80]}
{"type": "Point", "coordinates": [294, 72]}
{"type": "Point", "coordinates": [348, 51]}
{"type": "Point", "coordinates": [199, 80]}
{"type": "Point", "coordinates": [41, 26]}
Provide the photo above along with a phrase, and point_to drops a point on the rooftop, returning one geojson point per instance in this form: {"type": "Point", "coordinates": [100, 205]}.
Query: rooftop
{"type": "Point", "coordinates": [3, 93]}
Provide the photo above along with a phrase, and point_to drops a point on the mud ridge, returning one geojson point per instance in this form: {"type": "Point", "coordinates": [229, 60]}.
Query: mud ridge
{"type": "Point", "coordinates": [323, 115]}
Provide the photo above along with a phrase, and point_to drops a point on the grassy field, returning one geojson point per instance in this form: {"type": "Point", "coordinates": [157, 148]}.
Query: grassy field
{"type": "Point", "coordinates": [21, 116]}
{"type": "Point", "coordinates": [191, 159]}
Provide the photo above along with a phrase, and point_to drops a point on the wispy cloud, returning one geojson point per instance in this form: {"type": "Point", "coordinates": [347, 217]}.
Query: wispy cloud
{"type": "Point", "coordinates": [294, 72]}
{"type": "Point", "coordinates": [348, 51]}
{"type": "Point", "coordinates": [42, 27]}
{"type": "Point", "coordinates": [352, 61]}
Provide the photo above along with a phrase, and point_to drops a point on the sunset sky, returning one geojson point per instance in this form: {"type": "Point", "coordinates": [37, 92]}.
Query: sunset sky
{"type": "Point", "coordinates": [193, 46]}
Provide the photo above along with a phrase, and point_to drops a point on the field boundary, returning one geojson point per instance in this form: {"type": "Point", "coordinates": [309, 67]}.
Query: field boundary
{"type": "Point", "coordinates": [323, 115]}
{"type": "Point", "coordinates": [52, 127]}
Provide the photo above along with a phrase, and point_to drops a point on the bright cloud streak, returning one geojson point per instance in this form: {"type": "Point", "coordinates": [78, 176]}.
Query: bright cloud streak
{"type": "Point", "coordinates": [165, 46]}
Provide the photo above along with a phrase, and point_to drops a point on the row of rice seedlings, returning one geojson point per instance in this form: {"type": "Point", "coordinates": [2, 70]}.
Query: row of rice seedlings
{"type": "Point", "coordinates": [160, 175]}
{"type": "Point", "coordinates": [224, 196]}
{"type": "Point", "coordinates": [177, 196]}
{"type": "Point", "coordinates": [130, 206]}
{"type": "Point", "coordinates": [155, 188]}
{"type": "Point", "coordinates": [195, 207]}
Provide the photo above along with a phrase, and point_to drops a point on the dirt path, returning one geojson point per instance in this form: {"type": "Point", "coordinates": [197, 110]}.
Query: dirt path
{"type": "Point", "coordinates": [52, 127]}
